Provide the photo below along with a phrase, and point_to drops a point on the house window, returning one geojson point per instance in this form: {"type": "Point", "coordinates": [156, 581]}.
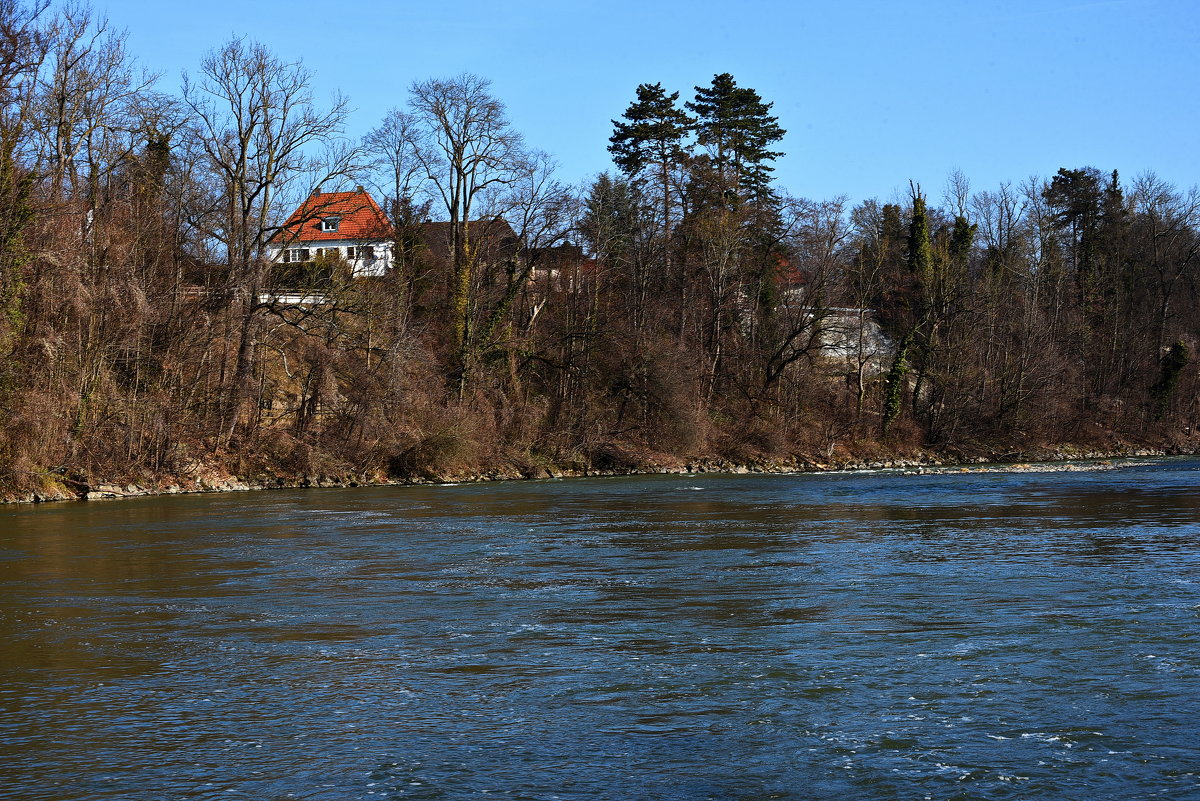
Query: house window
{"type": "Point", "coordinates": [350, 253]}
{"type": "Point", "coordinates": [330, 223]}
{"type": "Point", "coordinates": [366, 252]}
{"type": "Point", "coordinates": [295, 255]}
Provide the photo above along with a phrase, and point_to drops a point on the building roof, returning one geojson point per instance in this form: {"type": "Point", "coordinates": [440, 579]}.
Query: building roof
{"type": "Point", "coordinates": [492, 236]}
{"type": "Point", "coordinates": [359, 218]}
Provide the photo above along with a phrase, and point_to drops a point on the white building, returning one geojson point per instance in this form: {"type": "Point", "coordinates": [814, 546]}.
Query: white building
{"type": "Point", "coordinates": [349, 225]}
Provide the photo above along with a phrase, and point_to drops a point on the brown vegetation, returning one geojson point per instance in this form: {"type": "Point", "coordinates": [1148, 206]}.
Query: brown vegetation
{"type": "Point", "coordinates": [713, 320]}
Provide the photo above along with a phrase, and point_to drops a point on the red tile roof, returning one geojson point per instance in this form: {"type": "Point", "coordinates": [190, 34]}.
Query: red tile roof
{"type": "Point", "coordinates": [359, 216]}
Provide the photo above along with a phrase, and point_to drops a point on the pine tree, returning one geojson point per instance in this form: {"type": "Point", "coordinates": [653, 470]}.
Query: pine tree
{"type": "Point", "coordinates": [736, 126]}
{"type": "Point", "coordinates": [652, 142]}
{"type": "Point", "coordinates": [654, 134]}
{"type": "Point", "coordinates": [1076, 197]}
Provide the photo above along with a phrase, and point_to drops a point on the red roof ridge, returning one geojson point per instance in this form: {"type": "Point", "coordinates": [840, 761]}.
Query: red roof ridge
{"type": "Point", "coordinates": [360, 218]}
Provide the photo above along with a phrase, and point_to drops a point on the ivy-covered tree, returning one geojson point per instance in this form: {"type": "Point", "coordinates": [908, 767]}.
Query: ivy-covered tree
{"type": "Point", "coordinates": [920, 250]}
{"type": "Point", "coordinates": [1172, 365]}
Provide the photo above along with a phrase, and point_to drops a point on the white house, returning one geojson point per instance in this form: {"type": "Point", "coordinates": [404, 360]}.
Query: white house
{"type": "Point", "coordinates": [350, 225]}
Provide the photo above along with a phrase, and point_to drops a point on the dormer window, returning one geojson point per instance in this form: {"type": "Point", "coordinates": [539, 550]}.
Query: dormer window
{"type": "Point", "coordinates": [330, 223]}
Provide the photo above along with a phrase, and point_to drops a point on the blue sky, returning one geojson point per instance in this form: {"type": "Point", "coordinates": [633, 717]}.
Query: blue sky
{"type": "Point", "coordinates": [871, 93]}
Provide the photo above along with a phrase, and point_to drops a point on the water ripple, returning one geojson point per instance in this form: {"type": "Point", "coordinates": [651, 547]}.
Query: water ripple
{"type": "Point", "coordinates": [989, 636]}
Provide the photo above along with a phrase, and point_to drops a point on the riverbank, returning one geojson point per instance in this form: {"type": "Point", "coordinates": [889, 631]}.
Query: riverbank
{"type": "Point", "coordinates": [211, 478]}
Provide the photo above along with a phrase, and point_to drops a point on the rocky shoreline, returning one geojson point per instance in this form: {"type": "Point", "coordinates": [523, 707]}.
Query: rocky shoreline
{"type": "Point", "coordinates": [1058, 459]}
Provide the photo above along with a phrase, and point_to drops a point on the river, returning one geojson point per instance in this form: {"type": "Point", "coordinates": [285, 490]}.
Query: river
{"type": "Point", "coordinates": [865, 636]}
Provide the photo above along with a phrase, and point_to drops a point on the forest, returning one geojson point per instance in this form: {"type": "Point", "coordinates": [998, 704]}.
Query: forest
{"type": "Point", "coordinates": [679, 310]}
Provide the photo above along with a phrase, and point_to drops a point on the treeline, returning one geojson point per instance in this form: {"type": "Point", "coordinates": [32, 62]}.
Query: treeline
{"type": "Point", "coordinates": [682, 307]}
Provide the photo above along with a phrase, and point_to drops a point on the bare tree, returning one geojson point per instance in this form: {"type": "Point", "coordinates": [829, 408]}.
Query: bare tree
{"type": "Point", "coordinates": [1169, 220]}
{"type": "Point", "coordinates": [468, 148]}
{"type": "Point", "coordinates": [817, 236]}
{"type": "Point", "coordinates": [864, 286]}
{"type": "Point", "coordinates": [392, 154]}
{"type": "Point", "coordinates": [23, 45]}
{"type": "Point", "coordinates": [258, 126]}
{"type": "Point", "coordinates": [542, 211]}
{"type": "Point", "coordinates": [22, 50]}
{"type": "Point", "coordinates": [957, 193]}
{"type": "Point", "coordinates": [91, 101]}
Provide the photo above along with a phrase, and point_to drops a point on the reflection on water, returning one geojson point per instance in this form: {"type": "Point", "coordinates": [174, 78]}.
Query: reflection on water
{"type": "Point", "coordinates": [872, 636]}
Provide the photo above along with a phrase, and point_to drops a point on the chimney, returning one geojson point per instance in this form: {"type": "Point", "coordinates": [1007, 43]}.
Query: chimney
{"type": "Point", "coordinates": [360, 189]}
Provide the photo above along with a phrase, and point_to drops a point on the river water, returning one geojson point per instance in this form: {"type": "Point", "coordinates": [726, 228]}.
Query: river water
{"type": "Point", "coordinates": [869, 636]}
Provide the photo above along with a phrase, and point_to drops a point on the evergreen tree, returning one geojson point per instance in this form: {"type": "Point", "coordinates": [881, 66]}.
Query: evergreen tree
{"type": "Point", "coordinates": [611, 219]}
{"type": "Point", "coordinates": [1076, 197]}
{"type": "Point", "coordinates": [1111, 239]}
{"type": "Point", "coordinates": [651, 144]}
{"type": "Point", "coordinates": [736, 126]}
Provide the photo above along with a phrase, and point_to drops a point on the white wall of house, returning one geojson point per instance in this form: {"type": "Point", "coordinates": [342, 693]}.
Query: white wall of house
{"type": "Point", "coordinates": [848, 334]}
{"type": "Point", "coordinates": [371, 257]}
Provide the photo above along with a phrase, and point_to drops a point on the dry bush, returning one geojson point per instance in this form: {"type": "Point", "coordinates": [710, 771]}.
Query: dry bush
{"type": "Point", "coordinates": [749, 439]}
{"type": "Point", "coordinates": [34, 439]}
{"type": "Point", "coordinates": [654, 398]}
{"type": "Point", "coordinates": [436, 454]}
